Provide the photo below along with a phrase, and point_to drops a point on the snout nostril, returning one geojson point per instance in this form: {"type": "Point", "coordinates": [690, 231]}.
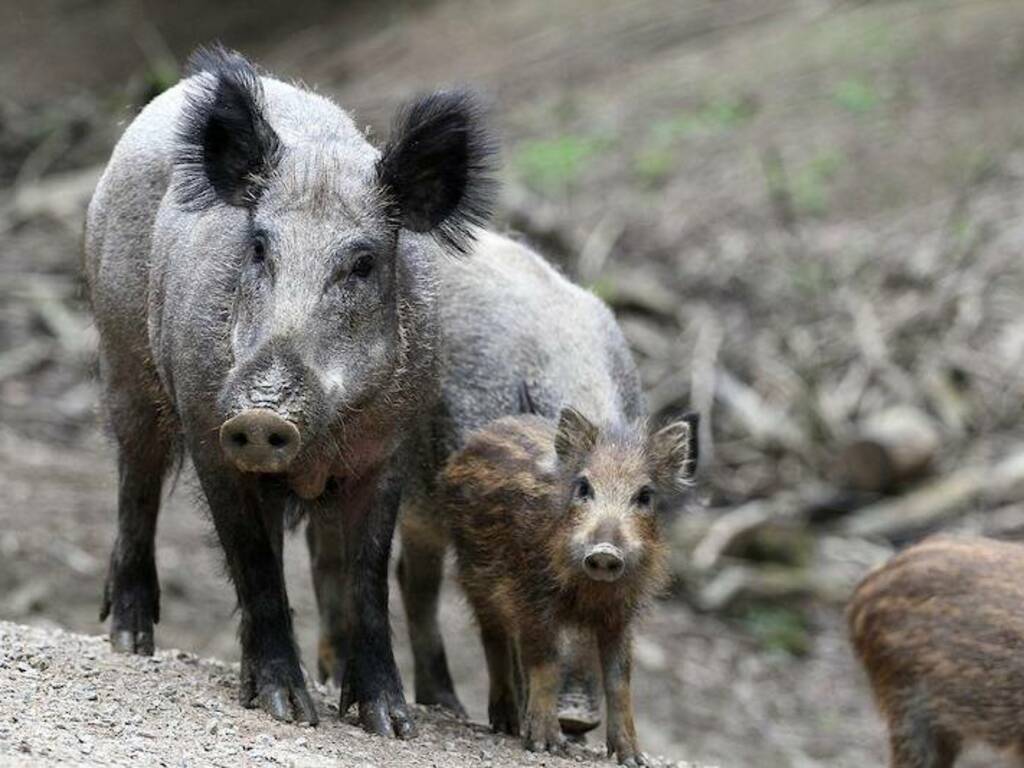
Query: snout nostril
{"type": "Point", "coordinates": [277, 440]}
{"type": "Point", "coordinates": [240, 439]}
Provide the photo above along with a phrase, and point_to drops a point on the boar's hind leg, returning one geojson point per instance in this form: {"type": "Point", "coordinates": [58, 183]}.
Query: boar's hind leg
{"type": "Point", "coordinates": [250, 531]}
{"type": "Point", "coordinates": [131, 594]}
{"type": "Point", "coordinates": [333, 596]}
{"type": "Point", "coordinates": [915, 742]}
{"type": "Point", "coordinates": [371, 677]}
{"type": "Point", "coordinates": [420, 570]}
{"type": "Point", "coordinates": [616, 663]}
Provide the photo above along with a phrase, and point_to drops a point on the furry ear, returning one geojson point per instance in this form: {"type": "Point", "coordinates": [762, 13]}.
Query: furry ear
{"type": "Point", "coordinates": [673, 451]}
{"type": "Point", "coordinates": [575, 437]}
{"type": "Point", "coordinates": [437, 168]}
{"type": "Point", "coordinates": [227, 148]}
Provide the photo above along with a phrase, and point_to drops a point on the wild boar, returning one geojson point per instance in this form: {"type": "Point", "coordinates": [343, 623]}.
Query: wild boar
{"type": "Point", "coordinates": [556, 526]}
{"type": "Point", "coordinates": [939, 630]}
{"type": "Point", "coordinates": [264, 285]}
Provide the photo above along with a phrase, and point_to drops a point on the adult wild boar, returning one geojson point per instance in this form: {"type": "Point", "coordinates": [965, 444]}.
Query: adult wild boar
{"type": "Point", "coordinates": [507, 318]}
{"type": "Point", "coordinates": [263, 281]}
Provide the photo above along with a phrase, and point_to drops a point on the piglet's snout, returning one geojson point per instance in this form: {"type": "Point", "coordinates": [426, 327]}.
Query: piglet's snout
{"type": "Point", "coordinates": [258, 440]}
{"type": "Point", "coordinates": [604, 562]}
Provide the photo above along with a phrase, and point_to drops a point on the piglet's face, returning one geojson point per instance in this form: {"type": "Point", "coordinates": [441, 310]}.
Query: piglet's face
{"type": "Point", "coordinates": [614, 477]}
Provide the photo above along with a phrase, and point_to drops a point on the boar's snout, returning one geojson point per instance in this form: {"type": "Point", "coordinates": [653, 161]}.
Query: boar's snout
{"type": "Point", "coordinates": [604, 562]}
{"type": "Point", "coordinates": [258, 440]}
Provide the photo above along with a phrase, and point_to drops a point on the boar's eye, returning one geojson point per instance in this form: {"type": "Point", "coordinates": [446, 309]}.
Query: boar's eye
{"type": "Point", "coordinates": [363, 266]}
{"type": "Point", "coordinates": [582, 489]}
{"type": "Point", "coordinates": [644, 497]}
{"type": "Point", "coordinates": [259, 248]}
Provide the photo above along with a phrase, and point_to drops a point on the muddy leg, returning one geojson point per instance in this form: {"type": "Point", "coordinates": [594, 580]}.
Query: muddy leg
{"type": "Point", "coordinates": [131, 594]}
{"type": "Point", "coordinates": [503, 697]}
{"type": "Point", "coordinates": [420, 571]}
{"type": "Point", "coordinates": [539, 652]}
{"type": "Point", "coordinates": [616, 665]}
{"type": "Point", "coordinates": [579, 709]}
{"type": "Point", "coordinates": [914, 742]}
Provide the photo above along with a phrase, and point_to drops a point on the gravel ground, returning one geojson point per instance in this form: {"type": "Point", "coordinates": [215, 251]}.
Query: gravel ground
{"type": "Point", "coordinates": [65, 699]}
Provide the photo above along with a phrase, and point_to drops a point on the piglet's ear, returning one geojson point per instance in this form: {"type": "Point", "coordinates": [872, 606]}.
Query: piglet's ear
{"type": "Point", "coordinates": [227, 147]}
{"type": "Point", "coordinates": [575, 436]}
{"type": "Point", "coordinates": [673, 451]}
{"type": "Point", "coordinates": [437, 168]}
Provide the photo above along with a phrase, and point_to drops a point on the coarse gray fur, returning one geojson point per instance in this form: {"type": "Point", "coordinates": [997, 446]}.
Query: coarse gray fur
{"type": "Point", "coordinates": [212, 301]}
{"type": "Point", "coordinates": [508, 318]}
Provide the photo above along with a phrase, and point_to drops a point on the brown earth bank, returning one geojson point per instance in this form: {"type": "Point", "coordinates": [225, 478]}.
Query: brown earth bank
{"type": "Point", "coordinates": [65, 699]}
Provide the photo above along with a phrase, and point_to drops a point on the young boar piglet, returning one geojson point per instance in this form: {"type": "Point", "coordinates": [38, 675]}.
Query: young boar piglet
{"type": "Point", "coordinates": [554, 526]}
{"type": "Point", "coordinates": [940, 630]}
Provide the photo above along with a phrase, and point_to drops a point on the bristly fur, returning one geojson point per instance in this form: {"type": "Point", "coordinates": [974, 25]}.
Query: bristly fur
{"type": "Point", "coordinates": [939, 632]}
{"type": "Point", "coordinates": [227, 148]}
{"type": "Point", "coordinates": [438, 168]}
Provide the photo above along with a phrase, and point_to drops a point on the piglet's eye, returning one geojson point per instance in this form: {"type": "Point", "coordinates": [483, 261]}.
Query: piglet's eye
{"type": "Point", "coordinates": [644, 497]}
{"type": "Point", "coordinates": [583, 489]}
{"type": "Point", "coordinates": [363, 266]}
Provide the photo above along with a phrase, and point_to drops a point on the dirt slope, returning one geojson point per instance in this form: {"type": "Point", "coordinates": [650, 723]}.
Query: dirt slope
{"type": "Point", "coordinates": [66, 699]}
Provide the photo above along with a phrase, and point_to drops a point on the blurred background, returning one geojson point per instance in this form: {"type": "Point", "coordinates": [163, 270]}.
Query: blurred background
{"type": "Point", "coordinates": [807, 214]}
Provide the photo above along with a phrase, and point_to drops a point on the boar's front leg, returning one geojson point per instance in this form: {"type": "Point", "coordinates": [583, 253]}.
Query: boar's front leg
{"type": "Point", "coordinates": [370, 675]}
{"type": "Point", "coordinates": [250, 529]}
{"type": "Point", "coordinates": [616, 663]}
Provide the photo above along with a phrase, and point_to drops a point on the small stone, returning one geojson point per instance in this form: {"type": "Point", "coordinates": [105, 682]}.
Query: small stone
{"type": "Point", "coordinates": [212, 726]}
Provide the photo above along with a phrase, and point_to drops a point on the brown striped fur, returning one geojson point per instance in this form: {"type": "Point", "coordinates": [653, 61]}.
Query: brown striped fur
{"type": "Point", "coordinates": [522, 528]}
{"type": "Point", "coordinates": [940, 631]}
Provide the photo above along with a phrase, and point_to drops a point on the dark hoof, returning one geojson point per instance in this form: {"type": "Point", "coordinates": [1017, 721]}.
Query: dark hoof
{"type": "Point", "coordinates": [387, 716]}
{"type": "Point", "coordinates": [628, 754]}
{"type": "Point", "coordinates": [128, 641]}
{"type": "Point", "coordinates": [504, 717]}
{"type": "Point", "coordinates": [286, 703]}
{"type": "Point", "coordinates": [542, 734]}
{"type": "Point", "coordinates": [279, 690]}
{"type": "Point", "coordinates": [131, 598]}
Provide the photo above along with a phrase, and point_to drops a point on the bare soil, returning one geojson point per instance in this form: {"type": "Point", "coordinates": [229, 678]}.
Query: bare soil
{"type": "Point", "coordinates": [65, 700]}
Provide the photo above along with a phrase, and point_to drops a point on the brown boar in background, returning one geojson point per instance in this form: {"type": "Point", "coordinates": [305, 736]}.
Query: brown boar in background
{"type": "Point", "coordinates": [940, 630]}
{"type": "Point", "coordinates": [555, 527]}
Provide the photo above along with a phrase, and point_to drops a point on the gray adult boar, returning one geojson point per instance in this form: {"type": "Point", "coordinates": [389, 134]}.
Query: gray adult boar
{"type": "Point", "coordinates": [264, 285]}
{"type": "Point", "coordinates": [507, 318]}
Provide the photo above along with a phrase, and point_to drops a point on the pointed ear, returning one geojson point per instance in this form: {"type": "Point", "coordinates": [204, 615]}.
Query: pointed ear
{"type": "Point", "coordinates": [437, 168]}
{"type": "Point", "coordinates": [227, 147]}
{"type": "Point", "coordinates": [575, 436]}
{"type": "Point", "coordinates": [673, 451]}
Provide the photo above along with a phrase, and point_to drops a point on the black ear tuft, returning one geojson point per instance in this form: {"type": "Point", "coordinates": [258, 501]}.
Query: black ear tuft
{"type": "Point", "coordinates": [227, 148]}
{"type": "Point", "coordinates": [437, 168]}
